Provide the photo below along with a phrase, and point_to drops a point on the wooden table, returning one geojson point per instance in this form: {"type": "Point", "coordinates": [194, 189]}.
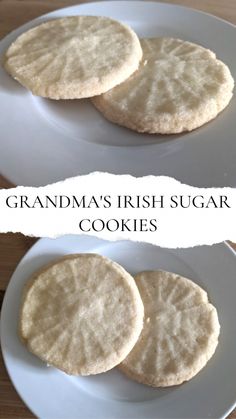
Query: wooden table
{"type": "Point", "coordinates": [14, 13]}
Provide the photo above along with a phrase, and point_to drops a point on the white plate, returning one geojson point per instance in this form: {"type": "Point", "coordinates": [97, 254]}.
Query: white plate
{"type": "Point", "coordinates": [52, 394]}
{"type": "Point", "coordinates": [44, 141]}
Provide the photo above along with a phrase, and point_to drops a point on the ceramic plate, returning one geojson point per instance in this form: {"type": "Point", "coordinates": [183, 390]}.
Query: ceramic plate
{"type": "Point", "coordinates": [44, 141]}
{"type": "Point", "coordinates": [52, 394]}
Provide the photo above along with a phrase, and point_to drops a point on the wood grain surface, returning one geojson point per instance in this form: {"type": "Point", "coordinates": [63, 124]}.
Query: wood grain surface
{"type": "Point", "coordinates": [14, 13]}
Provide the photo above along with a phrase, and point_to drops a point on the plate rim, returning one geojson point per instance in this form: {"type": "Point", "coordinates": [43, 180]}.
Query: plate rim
{"type": "Point", "coordinates": [75, 6]}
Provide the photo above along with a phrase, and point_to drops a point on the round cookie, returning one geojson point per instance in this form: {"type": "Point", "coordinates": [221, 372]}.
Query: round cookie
{"type": "Point", "coordinates": [81, 314]}
{"type": "Point", "coordinates": [74, 57]}
{"type": "Point", "coordinates": [180, 332]}
{"type": "Point", "coordinates": [178, 87]}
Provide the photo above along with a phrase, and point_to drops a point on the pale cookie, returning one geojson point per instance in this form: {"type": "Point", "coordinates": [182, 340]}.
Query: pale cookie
{"type": "Point", "coordinates": [74, 57]}
{"type": "Point", "coordinates": [179, 87]}
{"type": "Point", "coordinates": [180, 332]}
{"type": "Point", "coordinates": [81, 314]}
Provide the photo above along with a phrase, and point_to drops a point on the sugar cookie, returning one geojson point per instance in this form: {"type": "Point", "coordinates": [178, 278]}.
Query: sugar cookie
{"type": "Point", "coordinates": [178, 87]}
{"type": "Point", "coordinates": [82, 314]}
{"type": "Point", "coordinates": [74, 57]}
{"type": "Point", "coordinates": [180, 332]}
